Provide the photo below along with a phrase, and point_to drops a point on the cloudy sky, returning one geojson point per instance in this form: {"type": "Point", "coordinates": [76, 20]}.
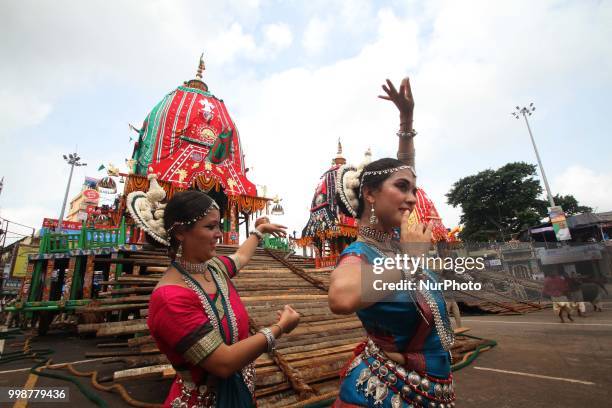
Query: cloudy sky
{"type": "Point", "coordinates": [298, 75]}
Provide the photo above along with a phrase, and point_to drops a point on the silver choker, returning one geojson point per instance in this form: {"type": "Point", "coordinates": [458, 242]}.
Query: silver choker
{"type": "Point", "coordinates": [193, 267]}
{"type": "Point", "coordinates": [374, 234]}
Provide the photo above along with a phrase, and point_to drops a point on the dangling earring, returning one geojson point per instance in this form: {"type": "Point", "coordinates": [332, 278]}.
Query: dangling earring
{"type": "Point", "coordinates": [373, 217]}
{"type": "Point", "coordinates": [179, 249]}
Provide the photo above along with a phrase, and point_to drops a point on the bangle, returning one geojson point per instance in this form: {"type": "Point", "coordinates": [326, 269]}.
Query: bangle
{"type": "Point", "coordinates": [279, 327]}
{"type": "Point", "coordinates": [407, 134]}
{"type": "Point", "coordinates": [258, 234]}
{"type": "Point", "coordinates": [270, 339]}
{"type": "Point", "coordinates": [404, 156]}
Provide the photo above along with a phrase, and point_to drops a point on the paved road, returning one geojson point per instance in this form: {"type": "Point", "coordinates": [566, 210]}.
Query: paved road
{"type": "Point", "coordinates": [538, 363]}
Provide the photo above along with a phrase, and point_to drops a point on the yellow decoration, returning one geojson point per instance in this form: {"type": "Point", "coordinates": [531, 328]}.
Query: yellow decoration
{"type": "Point", "coordinates": [413, 218]}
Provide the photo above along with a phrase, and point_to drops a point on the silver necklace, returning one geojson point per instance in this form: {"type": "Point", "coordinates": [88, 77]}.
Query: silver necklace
{"type": "Point", "coordinates": [248, 371]}
{"type": "Point", "coordinates": [194, 268]}
{"type": "Point", "coordinates": [374, 234]}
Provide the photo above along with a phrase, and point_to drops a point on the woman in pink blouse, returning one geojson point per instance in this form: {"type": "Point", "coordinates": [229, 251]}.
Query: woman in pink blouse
{"type": "Point", "coordinates": [196, 315]}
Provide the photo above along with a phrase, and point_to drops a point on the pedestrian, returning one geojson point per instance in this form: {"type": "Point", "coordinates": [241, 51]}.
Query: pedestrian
{"type": "Point", "coordinates": [556, 288]}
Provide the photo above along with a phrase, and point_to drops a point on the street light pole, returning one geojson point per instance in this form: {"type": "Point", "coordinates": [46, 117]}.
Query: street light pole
{"type": "Point", "coordinates": [527, 112]}
{"type": "Point", "coordinates": [72, 159]}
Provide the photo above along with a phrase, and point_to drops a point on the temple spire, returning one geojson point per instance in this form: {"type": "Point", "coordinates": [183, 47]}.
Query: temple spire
{"type": "Point", "coordinates": [197, 81]}
{"type": "Point", "coordinates": [201, 67]}
{"type": "Point", "coordinates": [339, 160]}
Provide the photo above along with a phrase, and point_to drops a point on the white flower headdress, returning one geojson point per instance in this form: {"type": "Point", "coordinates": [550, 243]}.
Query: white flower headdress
{"type": "Point", "coordinates": [148, 212]}
{"type": "Point", "coordinates": [349, 183]}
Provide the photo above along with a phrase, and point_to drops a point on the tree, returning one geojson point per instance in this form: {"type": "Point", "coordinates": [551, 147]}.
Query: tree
{"type": "Point", "coordinates": [568, 203]}
{"type": "Point", "coordinates": [498, 203]}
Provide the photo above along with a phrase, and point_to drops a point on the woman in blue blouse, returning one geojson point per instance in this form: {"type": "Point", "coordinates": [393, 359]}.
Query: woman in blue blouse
{"type": "Point", "coordinates": [405, 360]}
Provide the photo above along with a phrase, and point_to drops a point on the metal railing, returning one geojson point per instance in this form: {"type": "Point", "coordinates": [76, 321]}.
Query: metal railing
{"type": "Point", "coordinates": [276, 243]}
{"type": "Point", "coordinates": [86, 238]}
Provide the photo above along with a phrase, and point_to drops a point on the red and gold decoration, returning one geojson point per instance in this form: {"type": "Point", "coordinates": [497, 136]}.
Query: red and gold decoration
{"type": "Point", "coordinates": [190, 141]}
{"type": "Point", "coordinates": [328, 231]}
{"type": "Point", "coordinates": [424, 212]}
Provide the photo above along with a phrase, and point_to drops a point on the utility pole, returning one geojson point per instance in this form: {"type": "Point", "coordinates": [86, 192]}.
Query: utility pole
{"type": "Point", "coordinates": [527, 111]}
{"type": "Point", "coordinates": [72, 159]}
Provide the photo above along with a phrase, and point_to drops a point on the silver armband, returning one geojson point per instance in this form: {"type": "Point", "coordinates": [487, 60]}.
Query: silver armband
{"type": "Point", "coordinates": [404, 156]}
{"type": "Point", "coordinates": [267, 332]}
{"type": "Point", "coordinates": [407, 135]}
{"type": "Point", "coordinates": [258, 234]}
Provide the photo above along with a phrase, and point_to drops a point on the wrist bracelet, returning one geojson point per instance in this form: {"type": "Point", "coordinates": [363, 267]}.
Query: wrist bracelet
{"type": "Point", "coordinates": [406, 135]}
{"type": "Point", "coordinates": [404, 156]}
{"type": "Point", "coordinates": [270, 339]}
{"type": "Point", "coordinates": [279, 328]}
{"type": "Point", "coordinates": [258, 234]}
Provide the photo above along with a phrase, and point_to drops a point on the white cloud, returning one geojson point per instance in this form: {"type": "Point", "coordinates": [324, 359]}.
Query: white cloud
{"type": "Point", "coordinates": [466, 77]}
{"type": "Point", "coordinates": [290, 121]}
{"type": "Point", "coordinates": [589, 187]}
{"type": "Point", "coordinates": [316, 35]}
{"type": "Point", "coordinates": [231, 44]}
{"type": "Point", "coordinates": [278, 36]}
{"type": "Point", "coordinates": [20, 110]}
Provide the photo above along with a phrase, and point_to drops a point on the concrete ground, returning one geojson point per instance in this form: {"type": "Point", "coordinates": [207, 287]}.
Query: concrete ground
{"type": "Point", "coordinates": [538, 362]}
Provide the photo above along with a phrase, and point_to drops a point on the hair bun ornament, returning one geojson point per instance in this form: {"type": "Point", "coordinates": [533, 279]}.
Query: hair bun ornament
{"type": "Point", "coordinates": [347, 182]}
{"type": "Point", "coordinates": [147, 210]}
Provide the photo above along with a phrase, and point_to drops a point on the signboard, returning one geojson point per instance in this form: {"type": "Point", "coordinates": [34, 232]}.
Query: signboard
{"type": "Point", "coordinates": [20, 265]}
{"type": "Point", "coordinates": [568, 254]}
{"type": "Point", "coordinates": [11, 286]}
{"type": "Point", "coordinates": [50, 223]}
{"type": "Point", "coordinates": [543, 229]}
{"type": "Point", "coordinates": [91, 196]}
{"type": "Point", "coordinates": [559, 223]}
{"type": "Point", "coordinates": [494, 262]}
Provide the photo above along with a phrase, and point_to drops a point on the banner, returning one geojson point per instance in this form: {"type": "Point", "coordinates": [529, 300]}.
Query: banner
{"type": "Point", "coordinates": [20, 263]}
{"type": "Point", "coordinates": [91, 196]}
{"type": "Point", "coordinates": [50, 223]}
{"type": "Point", "coordinates": [559, 223]}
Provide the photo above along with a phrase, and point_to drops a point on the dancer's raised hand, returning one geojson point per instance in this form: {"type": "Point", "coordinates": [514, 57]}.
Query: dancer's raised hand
{"type": "Point", "coordinates": [403, 99]}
